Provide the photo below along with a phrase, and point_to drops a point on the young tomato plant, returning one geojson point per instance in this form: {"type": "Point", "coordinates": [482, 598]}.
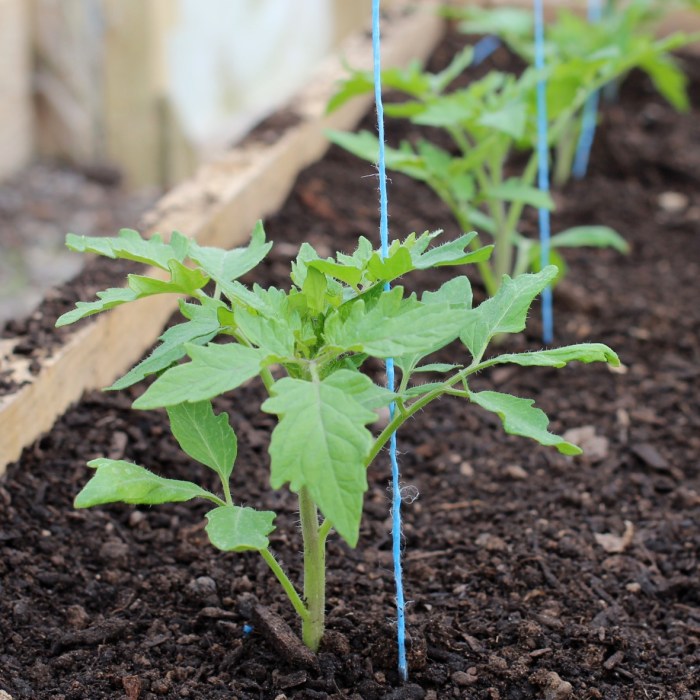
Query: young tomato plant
{"type": "Point", "coordinates": [623, 39]}
{"type": "Point", "coordinates": [486, 123]}
{"type": "Point", "coordinates": [308, 346]}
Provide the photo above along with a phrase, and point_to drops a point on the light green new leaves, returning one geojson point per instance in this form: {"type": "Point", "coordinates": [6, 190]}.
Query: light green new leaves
{"type": "Point", "coordinates": [321, 443]}
{"type": "Point", "coordinates": [520, 417]}
{"type": "Point", "coordinates": [129, 245]}
{"type": "Point", "coordinates": [214, 370]}
{"type": "Point", "coordinates": [558, 357]}
{"type": "Point", "coordinates": [107, 299]}
{"type": "Point", "coordinates": [394, 326]}
{"type": "Point", "coordinates": [225, 266]}
{"type": "Point", "coordinates": [505, 312]}
{"type": "Point", "coordinates": [204, 436]}
{"type": "Point", "coordinates": [120, 481]}
{"type": "Point", "coordinates": [236, 529]}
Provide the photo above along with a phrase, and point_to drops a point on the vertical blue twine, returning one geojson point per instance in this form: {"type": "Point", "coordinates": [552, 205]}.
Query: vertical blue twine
{"type": "Point", "coordinates": [543, 169]}
{"type": "Point", "coordinates": [590, 111]}
{"type": "Point", "coordinates": [384, 236]}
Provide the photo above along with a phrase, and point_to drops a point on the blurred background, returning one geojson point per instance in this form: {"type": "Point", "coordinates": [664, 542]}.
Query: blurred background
{"type": "Point", "coordinates": [106, 103]}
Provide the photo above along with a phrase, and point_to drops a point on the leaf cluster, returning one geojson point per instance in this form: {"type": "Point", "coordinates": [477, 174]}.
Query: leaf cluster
{"type": "Point", "coordinates": [308, 345]}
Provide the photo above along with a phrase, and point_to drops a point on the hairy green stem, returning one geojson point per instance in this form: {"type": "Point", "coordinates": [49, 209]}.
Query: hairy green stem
{"type": "Point", "coordinates": [286, 584]}
{"type": "Point", "coordinates": [312, 625]}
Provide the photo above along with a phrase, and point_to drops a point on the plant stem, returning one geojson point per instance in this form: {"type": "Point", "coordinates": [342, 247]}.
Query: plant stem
{"type": "Point", "coordinates": [286, 584]}
{"type": "Point", "coordinates": [312, 626]}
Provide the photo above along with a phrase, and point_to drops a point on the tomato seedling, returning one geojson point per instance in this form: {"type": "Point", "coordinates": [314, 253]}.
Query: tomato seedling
{"type": "Point", "coordinates": [308, 347]}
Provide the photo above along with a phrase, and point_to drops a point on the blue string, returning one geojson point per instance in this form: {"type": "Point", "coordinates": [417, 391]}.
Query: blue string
{"type": "Point", "coordinates": [384, 236]}
{"type": "Point", "coordinates": [484, 48]}
{"type": "Point", "coordinates": [590, 111]}
{"type": "Point", "coordinates": [543, 169]}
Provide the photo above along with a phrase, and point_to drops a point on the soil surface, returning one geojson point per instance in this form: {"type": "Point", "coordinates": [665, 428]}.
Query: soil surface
{"type": "Point", "coordinates": [528, 574]}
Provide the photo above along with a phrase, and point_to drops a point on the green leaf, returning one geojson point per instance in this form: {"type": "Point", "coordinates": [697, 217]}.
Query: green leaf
{"type": "Point", "coordinates": [314, 290]}
{"type": "Point", "coordinates": [452, 253]}
{"type": "Point", "coordinates": [130, 245]}
{"type": "Point", "coordinates": [505, 312]}
{"type": "Point", "coordinates": [440, 367]}
{"type": "Point", "coordinates": [204, 436]}
{"type": "Point", "coordinates": [361, 388]}
{"type": "Point", "coordinates": [559, 357]}
{"type": "Point", "coordinates": [393, 326]}
{"type": "Point", "coordinates": [171, 349]}
{"type": "Point", "coordinates": [321, 443]}
{"type": "Point", "coordinates": [236, 529]}
{"type": "Point", "coordinates": [392, 267]}
{"type": "Point", "coordinates": [510, 120]}
{"type": "Point", "coordinates": [214, 370]}
{"type": "Point", "coordinates": [590, 236]}
{"type": "Point", "coordinates": [224, 266]}
{"type": "Point", "coordinates": [108, 299]}
{"type": "Point", "coordinates": [274, 334]}
{"type": "Point", "coordinates": [183, 281]}
{"type": "Point", "coordinates": [345, 273]}
{"type": "Point", "coordinates": [514, 190]}
{"type": "Point", "coordinates": [456, 292]}
{"type": "Point", "coordinates": [119, 481]}
{"type": "Point", "coordinates": [358, 83]}
{"type": "Point", "coordinates": [520, 417]}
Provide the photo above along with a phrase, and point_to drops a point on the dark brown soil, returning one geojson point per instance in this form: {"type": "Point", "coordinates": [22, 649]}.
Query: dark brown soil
{"type": "Point", "coordinates": [529, 575]}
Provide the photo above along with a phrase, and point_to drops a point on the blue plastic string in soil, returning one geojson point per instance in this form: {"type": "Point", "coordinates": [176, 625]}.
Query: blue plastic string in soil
{"type": "Point", "coordinates": [384, 236]}
{"type": "Point", "coordinates": [590, 111]}
{"type": "Point", "coordinates": [543, 170]}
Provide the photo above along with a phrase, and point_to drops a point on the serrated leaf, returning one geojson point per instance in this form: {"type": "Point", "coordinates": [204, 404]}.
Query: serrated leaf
{"type": "Point", "coordinates": [171, 349]}
{"type": "Point", "coordinates": [390, 268]}
{"type": "Point", "coordinates": [118, 481]}
{"type": "Point", "coordinates": [321, 443]}
{"type": "Point", "coordinates": [505, 312]}
{"type": "Point", "coordinates": [224, 266]}
{"type": "Point", "coordinates": [345, 273]}
{"type": "Point", "coordinates": [130, 245]}
{"type": "Point", "coordinates": [452, 253]}
{"type": "Point", "coordinates": [520, 417]}
{"type": "Point", "coordinates": [361, 388]}
{"type": "Point", "coordinates": [274, 334]}
{"type": "Point", "coordinates": [236, 529]}
{"type": "Point", "coordinates": [559, 357]}
{"type": "Point", "coordinates": [511, 120]}
{"type": "Point", "coordinates": [183, 281]}
{"type": "Point", "coordinates": [213, 370]}
{"type": "Point", "coordinates": [393, 326]}
{"type": "Point", "coordinates": [314, 290]}
{"type": "Point", "coordinates": [456, 292]}
{"type": "Point", "coordinates": [204, 436]}
{"type": "Point", "coordinates": [107, 299]}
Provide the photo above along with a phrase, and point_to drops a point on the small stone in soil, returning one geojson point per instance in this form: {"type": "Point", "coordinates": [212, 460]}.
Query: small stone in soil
{"type": "Point", "coordinates": [407, 692]}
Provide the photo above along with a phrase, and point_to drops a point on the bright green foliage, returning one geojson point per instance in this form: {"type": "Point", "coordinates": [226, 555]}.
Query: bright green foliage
{"type": "Point", "coordinates": [117, 480]}
{"type": "Point", "coordinates": [235, 529]}
{"type": "Point", "coordinates": [315, 337]}
{"type": "Point", "coordinates": [495, 116]}
{"type": "Point", "coordinates": [578, 52]}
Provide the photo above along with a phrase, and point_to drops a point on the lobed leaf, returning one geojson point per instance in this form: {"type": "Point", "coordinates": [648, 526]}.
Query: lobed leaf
{"type": "Point", "coordinates": [120, 481]}
{"type": "Point", "coordinates": [520, 417]}
{"type": "Point", "coordinates": [505, 312]}
{"type": "Point", "coordinates": [130, 245]}
{"type": "Point", "coordinates": [204, 436]}
{"type": "Point", "coordinates": [559, 357]}
{"type": "Point", "coordinates": [321, 443]}
{"type": "Point", "coordinates": [214, 370]}
{"type": "Point", "coordinates": [235, 529]}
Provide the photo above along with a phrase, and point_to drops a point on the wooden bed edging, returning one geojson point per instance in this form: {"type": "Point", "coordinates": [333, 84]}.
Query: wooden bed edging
{"type": "Point", "coordinates": [219, 207]}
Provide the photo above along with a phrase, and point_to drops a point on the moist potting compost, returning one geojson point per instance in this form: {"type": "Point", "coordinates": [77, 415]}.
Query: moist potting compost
{"type": "Point", "coordinates": [528, 573]}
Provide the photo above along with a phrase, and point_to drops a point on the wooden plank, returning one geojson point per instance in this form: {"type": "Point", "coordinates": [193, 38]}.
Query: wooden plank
{"type": "Point", "coordinates": [219, 207]}
{"type": "Point", "coordinates": [15, 88]}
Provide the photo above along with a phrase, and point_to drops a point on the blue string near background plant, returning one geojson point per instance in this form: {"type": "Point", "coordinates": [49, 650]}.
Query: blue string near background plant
{"type": "Point", "coordinates": [389, 362]}
{"type": "Point", "coordinates": [543, 170]}
{"type": "Point", "coordinates": [590, 111]}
